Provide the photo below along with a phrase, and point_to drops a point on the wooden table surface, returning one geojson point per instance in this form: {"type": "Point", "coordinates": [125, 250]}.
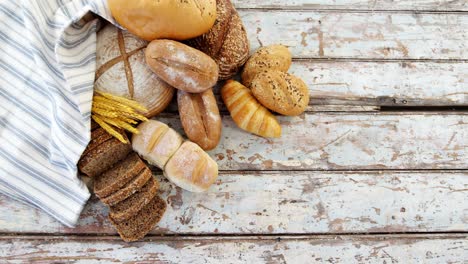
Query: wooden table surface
{"type": "Point", "coordinates": [376, 170]}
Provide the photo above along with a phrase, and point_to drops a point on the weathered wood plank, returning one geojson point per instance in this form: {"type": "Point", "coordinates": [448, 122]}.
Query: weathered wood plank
{"type": "Point", "coordinates": [358, 83]}
{"type": "Point", "coordinates": [419, 5]}
{"type": "Point", "coordinates": [286, 203]}
{"type": "Point", "coordinates": [312, 34]}
{"type": "Point", "coordinates": [339, 249]}
{"type": "Point", "coordinates": [336, 141]}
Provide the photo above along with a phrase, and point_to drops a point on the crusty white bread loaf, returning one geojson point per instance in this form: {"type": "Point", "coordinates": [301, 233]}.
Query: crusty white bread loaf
{"type": "Point", "coordinates": [191, 168]}
{"type": "Point", "coordinates": [200, 118]}
{"type": "Point", "coordinates": [156, 142]}
{"type": "Point", "coordinates": [171, 19]}
{"type": "Point", "coordinates": [121, 70]}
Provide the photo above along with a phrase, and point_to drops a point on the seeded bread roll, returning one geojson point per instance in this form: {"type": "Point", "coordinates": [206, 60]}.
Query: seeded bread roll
{"type": "Point", "coordinates": [156, 142]}
{"type": "Point", "coordinates": [118, 176]}
{"type": "Point", "coordinates": [137, 226]}
{"type": "Point", "coordinates": [272, 57]}
{"type": "Point", "coordinates": [226, 42]}
{"type": "Point", "coordinates": [191, 168]}
{"type": "Point", "coordinates": [130, 188]}
{"type": "Point", "coordinates": [171, 19]}
{"type": "Point", "coordinates": [281, 92]}
{"type": "Point", "coordinates": [133, 204]}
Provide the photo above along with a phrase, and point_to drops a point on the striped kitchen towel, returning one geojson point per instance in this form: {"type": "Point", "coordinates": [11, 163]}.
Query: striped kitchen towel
{"type": "Point", "coordinates": [47, 64]}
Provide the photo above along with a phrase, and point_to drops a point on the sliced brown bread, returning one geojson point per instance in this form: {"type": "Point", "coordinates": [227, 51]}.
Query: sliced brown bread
{"type": "Point", "coordinates": [133, 204]}
{"type": "Point", "coordinates": [102, 157]}
{"type": "Point", "coordinates": [130, 188]}
{"type": "Point", "coordinates": [120, 174]}
{"type": "Point", "coordinates": [137, 226]}
{"type": "Point", "coordinates": [98, 136]}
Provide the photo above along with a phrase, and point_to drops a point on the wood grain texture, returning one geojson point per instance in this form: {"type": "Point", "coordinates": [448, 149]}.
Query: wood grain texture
{"type": "Point", "coordinates": [311, 34]}
{"type": "Point", "coordinates": [371, 5]}
{"type": "Point", "coordinates": [320, 249]}
{"type": "Point", "coordinates": [336, 141]}
{"type": "Point", "coordinates": [286, 203]}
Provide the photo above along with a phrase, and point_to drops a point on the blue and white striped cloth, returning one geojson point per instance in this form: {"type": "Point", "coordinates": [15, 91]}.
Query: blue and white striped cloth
{"type": "Point", "coordinates": [47, 65]}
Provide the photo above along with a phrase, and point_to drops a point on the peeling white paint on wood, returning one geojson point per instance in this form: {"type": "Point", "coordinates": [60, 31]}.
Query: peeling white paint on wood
{"type": "Point", "coordinates": [311, 34]}
{"type": "Point", "coordinates": [384, 83]}
{"type": "Point", "coordinates": [336, 141]}
{"type": "Point", "coordinates": [341, 249]}
{"type": "Point", "coordinates": [427, 5]}
{"type": "Point", "coordinates": [286, 202]}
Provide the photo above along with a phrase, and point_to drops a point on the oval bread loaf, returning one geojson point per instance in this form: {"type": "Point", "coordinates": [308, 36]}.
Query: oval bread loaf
{"type": "Point", "coordinates": [182, 66]}
{"type": "Point", "coordinates": [199, 115]}
{"type": "Point", "coordinates": [156, 142]}
{"type": "Point", "coordinates": [191, 168]}
{"type": "Point", "coordinates": [273, 57]}
{"type": "Point", "coordinates": [281, 92]}
{"type": "Point", "coordinates": [151, 19]}
{"type": "Point", "coordinates": [122, 70]}
{"type": "Point", "coordinates": [247, 112]}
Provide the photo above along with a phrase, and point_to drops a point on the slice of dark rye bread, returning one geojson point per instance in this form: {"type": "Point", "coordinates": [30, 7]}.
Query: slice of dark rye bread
{"type": "Point", "coordinates": [98, 136]}
{"type": "Point", "coordinates": [137, 226]}
{"type": "Point", "coordinates": [130, 188]}
{"type": "Point", "coordinates": [133, 204]}
{"type": "Point", "coordinates": [118, 175]}
{"type": "Point", "coordinates": [102, 157]}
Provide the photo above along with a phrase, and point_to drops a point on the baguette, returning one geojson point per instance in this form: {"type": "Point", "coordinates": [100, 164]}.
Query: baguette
{"type": "Point", "coordinates": [247, 112]}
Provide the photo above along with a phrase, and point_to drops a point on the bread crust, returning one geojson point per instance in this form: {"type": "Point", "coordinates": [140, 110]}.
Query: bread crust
{"type": "Point", "coordinates": [191, 168]}
{"type": "Point", "coordinates": [247, 112]}
{"type": "Point", "coordinates": [200, 118]}
{"type": "Point", "coordinates": [272, 57]}
{"type": "Point", "coordinates": [170, 19]}
{"type": "Point", "coordinates": [181, 66]}
{"type": "Point", "coordinates": [226, 42]}
{"type": "Point", "coordinates": [122, 70]}
{"type": "Point", "coordinates": [281, 92]}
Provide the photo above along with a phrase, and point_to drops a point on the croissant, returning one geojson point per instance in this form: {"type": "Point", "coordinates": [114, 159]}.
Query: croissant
{"type": "Point", "coordinates": [247, 112]}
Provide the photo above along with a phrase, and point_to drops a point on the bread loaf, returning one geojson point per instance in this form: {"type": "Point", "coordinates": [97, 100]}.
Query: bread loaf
{"type": "Point", "coordinates": [103, 156]}
{"type": "Point", "coordinates": [247, 112]}
{"type": "Point", "coordinates": [226, 42]}
{"type": "Point", "coordinates": [151, 19]}
{"type": "Point", "coordinates": [156, 142]}
{"type": "Point", "coordinates": [281, 92]}
{"type": "Point", "coordinates": [191, 168]}
{"type": "Point", "coordinates": [182, 66]}
{"type": "Point", "coordinates": [122, 70]}
{"type": "Point", "coordinates": [118, 176]}
{"type": "Point", "coordinates": [133, 204]}
{"type": "Point", "coordinates": [273, 57]}
{"type": "Point", "coordinates": [137, 226]}
{"type": "Point", "coordinates": [130, 188]}
{"type": "Point", "coordinates": [186, 165]}
{"type": "Point", "coordinates": [200, 118]}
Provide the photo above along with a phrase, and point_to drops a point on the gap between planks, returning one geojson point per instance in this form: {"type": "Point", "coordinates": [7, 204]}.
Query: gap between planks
{"type": "Point", "coordinates": [243, 237]}
{"type": "Point", "coordinates": [350, 10]}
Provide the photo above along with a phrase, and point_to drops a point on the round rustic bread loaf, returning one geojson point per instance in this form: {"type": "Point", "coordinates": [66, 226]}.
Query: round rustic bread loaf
{"type": "Point", "coordinates": [122, 70]}
{"type": "Point", "coordinates": [281, 92]}
{"type": "Point", "coordinates": [272, 57]}
{"type": "Point", "coordinates": [226, 42]}
{"type": "Point", "coordinates": [170, 19]}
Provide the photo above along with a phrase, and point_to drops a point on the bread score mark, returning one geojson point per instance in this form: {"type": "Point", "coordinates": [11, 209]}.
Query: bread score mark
{"type": "Point", "coordinates": [128, 69]}
{"type": "Point", "coordinates": [182, 66]}
{"type": "Point", "coordinates": [106, 66]}
{"type": "Point", "coordinates": [156, 137]}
